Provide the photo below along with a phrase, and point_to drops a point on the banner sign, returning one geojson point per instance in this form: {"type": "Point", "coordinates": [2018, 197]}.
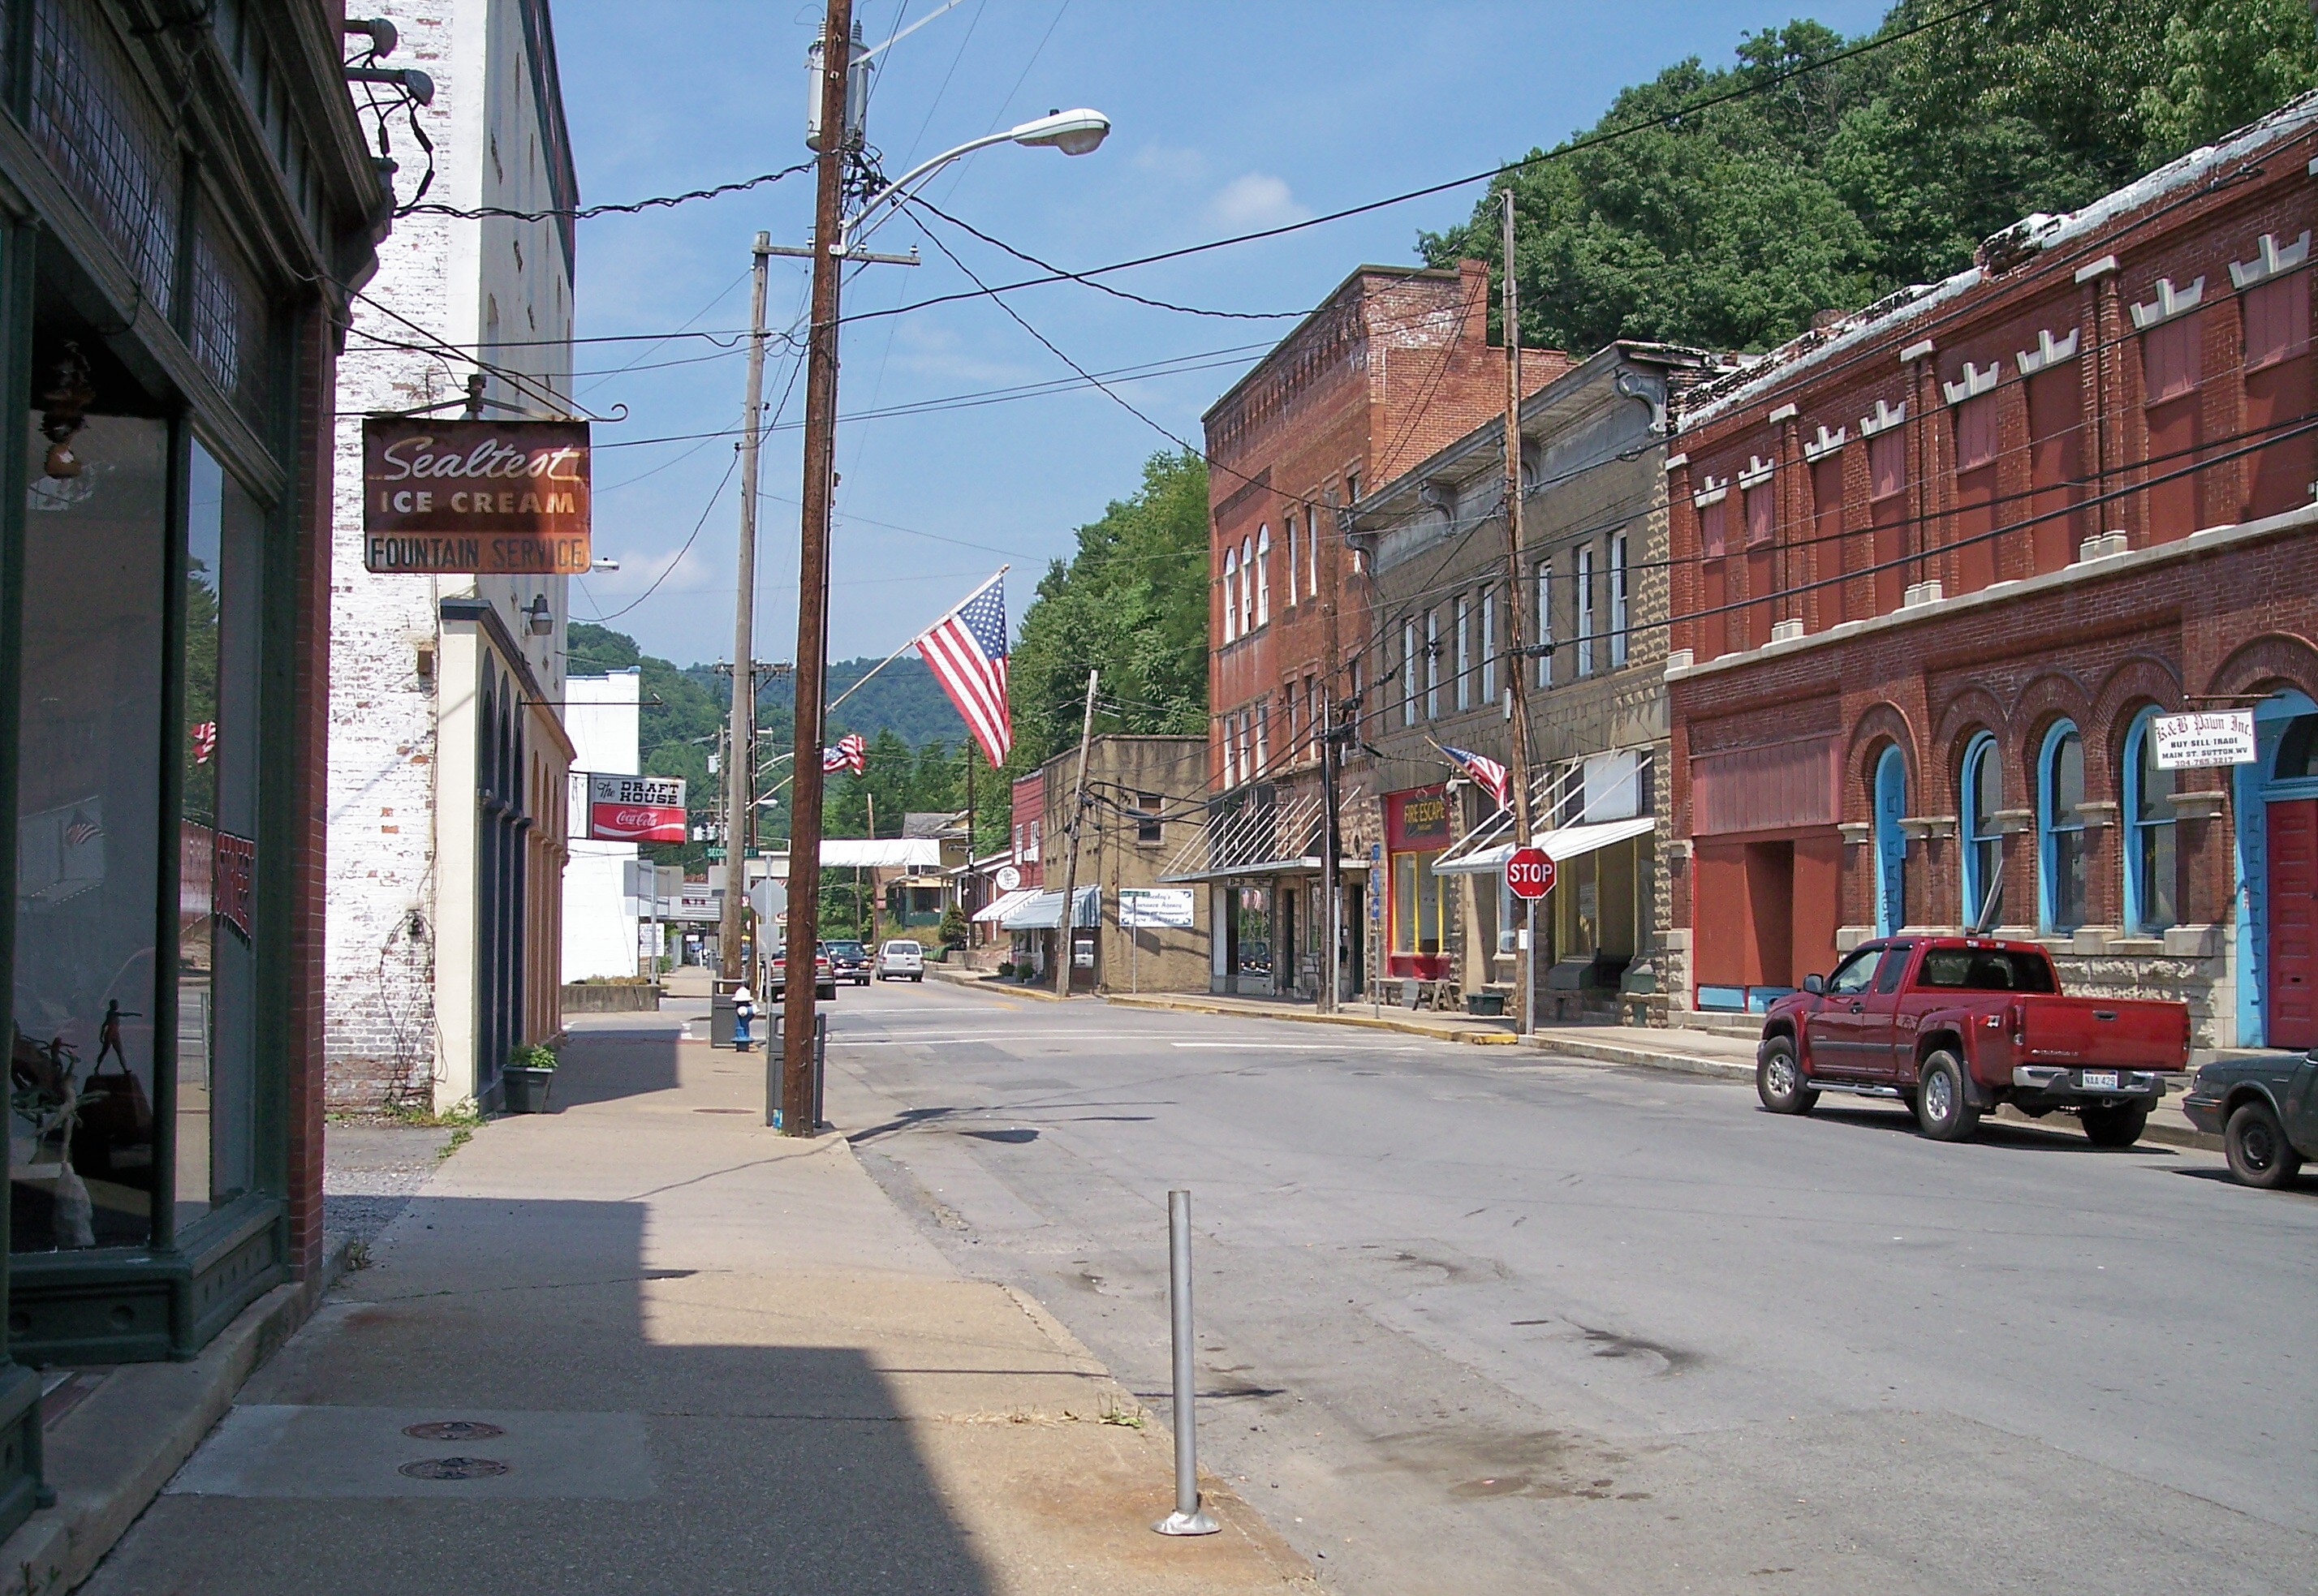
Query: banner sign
{"type": "Point", "coordinates": [2192, 742]}
{"type": "Point", "coordinates": [1154, 906]}
{"type": "Point", "coordinates": [635, 808]}
{"type": "Point", "coordinates": [475, 498]}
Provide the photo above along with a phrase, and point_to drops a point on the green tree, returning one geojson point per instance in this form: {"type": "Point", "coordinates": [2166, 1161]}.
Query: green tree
{"type": "Point", "coordinates": [1131, 602]}
{"type": "Point", "coordinates": [1730, 226]}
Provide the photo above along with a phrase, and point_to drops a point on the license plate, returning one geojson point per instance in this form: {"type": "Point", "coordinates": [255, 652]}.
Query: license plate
{"type": "Point", "coordinates": [2100, 1080]}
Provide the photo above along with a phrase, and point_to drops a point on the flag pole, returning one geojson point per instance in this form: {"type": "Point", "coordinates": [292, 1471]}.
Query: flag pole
{"type": "Point", "coordinates": [913, 643]}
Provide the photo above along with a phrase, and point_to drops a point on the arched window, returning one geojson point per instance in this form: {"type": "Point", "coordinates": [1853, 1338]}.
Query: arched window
{"type": "Point", "coordinates": [2297, 749]}
{"type": "Point", "coordinates": [2061, 830]}
{"type": "Point", "coordinates": [1264, 576]}
{"type": "Point", "coordinates": [1984, 853]}
{"type": "Point", "coordinates": [1246, 585]}
{"type": "Point", "coordinates": [1231, 594]}
{"type": "Point", "coordinates": [2150, 877]}
{"type": "Point", "coordinates": [1890, 842]}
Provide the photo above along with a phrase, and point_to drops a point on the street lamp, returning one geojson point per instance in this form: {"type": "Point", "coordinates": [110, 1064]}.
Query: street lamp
{"type": "Point", "coordinates": [1074, 132]}
{"type": "Point", "coordinates": [835, 240]}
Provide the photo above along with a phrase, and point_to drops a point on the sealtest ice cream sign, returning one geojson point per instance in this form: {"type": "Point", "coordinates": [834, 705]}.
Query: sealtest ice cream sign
{"type": "Point", "coordinates": [480, 497]}
{"type": "Point", "coordinates": [635, 808]}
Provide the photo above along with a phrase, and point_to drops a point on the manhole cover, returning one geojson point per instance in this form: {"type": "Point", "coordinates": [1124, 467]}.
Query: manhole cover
{"type": "Point", "coordinates": [453, 1468]}
{"type": "Point", "coordinates": [453, 1429]}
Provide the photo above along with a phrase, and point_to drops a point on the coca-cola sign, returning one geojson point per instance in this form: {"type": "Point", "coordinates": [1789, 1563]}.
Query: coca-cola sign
{"type": "Point", "coordinates": [635, 808]}
{"type": "Point", "coordinates": [482, 497]}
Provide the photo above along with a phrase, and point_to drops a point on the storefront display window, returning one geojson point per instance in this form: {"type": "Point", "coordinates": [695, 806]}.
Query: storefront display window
{"type": "Point", "coordinates": [216, 1103]}
{"type": "Point", "coordinates": [81, 1123]}
{"type": "Point", "coordinates": [1417, 831]}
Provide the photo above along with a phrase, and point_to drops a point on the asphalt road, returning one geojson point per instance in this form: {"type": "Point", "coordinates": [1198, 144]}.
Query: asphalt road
{"type": "Point", "coordinates": [1475, 1320]}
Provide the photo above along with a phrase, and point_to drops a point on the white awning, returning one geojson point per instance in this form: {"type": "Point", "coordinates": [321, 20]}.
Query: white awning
{"type": "Point", "coordinates": [1568, 843]}
{"type": "Point", "coordinates": [1001, 907]}
{"type": "Point", "coordinates": [881, 853]}
{"type": "Point", "coordinates": [1044, 911]}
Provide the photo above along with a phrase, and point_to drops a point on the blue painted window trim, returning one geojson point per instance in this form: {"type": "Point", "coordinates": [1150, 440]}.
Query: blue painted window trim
{"type": "Point", "coordinates": [2136, 889]}
{"type": "Point", "coordinates": [2046, 860]}
{"type": "Point", "coordinates": [1891, 803]}
{"type": "Point", "coordinates": [1981, 747]}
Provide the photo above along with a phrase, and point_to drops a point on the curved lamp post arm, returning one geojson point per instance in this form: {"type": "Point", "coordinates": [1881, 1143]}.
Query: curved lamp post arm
{"type": "Point", "coordinates": [1074, 132]}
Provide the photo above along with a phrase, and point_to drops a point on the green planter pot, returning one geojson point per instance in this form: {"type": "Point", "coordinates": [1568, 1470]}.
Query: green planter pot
{"type": "Point", "coordinates": [525, 1089]}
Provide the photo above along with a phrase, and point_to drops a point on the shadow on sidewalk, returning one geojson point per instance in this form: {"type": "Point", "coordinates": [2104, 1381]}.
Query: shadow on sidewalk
{"type": "Point", "coordinates": [603, 1063]}
{"type": "Point", "coordinates": [622, 1428]}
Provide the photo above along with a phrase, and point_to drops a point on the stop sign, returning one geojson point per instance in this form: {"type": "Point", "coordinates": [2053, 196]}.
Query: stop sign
{"type": "Point", "coordinates": [1529, 873]}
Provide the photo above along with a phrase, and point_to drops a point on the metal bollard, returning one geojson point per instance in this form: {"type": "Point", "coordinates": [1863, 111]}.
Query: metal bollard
{"type": "Point", "coordinates": [1189, 1517]}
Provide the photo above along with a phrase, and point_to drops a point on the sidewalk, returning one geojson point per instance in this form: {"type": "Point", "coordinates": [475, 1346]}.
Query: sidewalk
{"type": "Point", "coordinates": [1680, 1049]}
{"type": "Point", "coordinates": [677, 1352]}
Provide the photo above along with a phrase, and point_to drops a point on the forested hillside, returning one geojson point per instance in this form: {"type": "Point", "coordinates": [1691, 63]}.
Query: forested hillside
{"type": "Point", "coordinates": [1731, 226]}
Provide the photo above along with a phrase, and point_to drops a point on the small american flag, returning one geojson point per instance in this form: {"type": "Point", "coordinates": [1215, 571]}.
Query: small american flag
{"type": "Point", "coordinates": [966, 651]}
{"type": "Point", "coordinates": [80, 831]}
{"type": "Point", "coordinates": [204, 740]}
{"type": "Point", "coordinates": [849, 754]}
{"type": "Point", "coordinates": [1482, 769]}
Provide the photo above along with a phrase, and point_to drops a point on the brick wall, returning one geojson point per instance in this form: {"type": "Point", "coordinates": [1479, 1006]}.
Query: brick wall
{"type": "Point", "coordinates": [1997, 622]}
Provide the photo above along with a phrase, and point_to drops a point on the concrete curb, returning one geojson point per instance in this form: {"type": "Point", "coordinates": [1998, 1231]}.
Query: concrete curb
{"type": "Point", "coordinates": [112, 1456]}
{"type": "Point", "coordinates": [1645, 1058]}
{"type": "Point", "coordinates": [979, 983]}
{"type": "Point", "coordinates": [1192, 1005]}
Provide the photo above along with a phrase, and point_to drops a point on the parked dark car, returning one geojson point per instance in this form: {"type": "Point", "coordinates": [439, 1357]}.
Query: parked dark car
{"type": "Point", "coordinates": [851, 961]}
{"type": "Point", "coordinates": [2265, 1110]}
{"type": "Point", "coordinates": [1952, 1026]}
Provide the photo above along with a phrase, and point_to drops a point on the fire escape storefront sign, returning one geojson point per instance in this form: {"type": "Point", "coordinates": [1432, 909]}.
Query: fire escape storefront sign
{"type": "Point", "coordinates": [475, 498]}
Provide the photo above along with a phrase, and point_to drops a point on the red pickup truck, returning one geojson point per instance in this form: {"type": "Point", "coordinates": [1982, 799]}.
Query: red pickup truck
{"type": "Point", "coordinates": [1952, 1026]}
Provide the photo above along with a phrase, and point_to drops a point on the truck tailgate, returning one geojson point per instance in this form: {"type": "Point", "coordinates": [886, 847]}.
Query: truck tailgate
{"type": "Point", "coordinates": [2112, 1033]}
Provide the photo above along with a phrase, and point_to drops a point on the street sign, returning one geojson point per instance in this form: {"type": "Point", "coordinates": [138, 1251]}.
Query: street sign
{"type": "Point", "coordinates": [636, 808]}
{"type": "Point", "coordinates": [1154, 906]}
{"type": "Point", "coordinates": [1529, 873]}
{"type": "Point", "coordinates": [491, 498]}
{"type": "Point", "coordinates": [2195, 741]}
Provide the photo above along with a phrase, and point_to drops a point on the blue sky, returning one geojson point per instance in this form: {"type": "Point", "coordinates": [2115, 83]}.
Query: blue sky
{"type": "Point", "coordinates": [1226, 118]}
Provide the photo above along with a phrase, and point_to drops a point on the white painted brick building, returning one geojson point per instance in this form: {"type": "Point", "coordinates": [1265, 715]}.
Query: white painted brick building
{"type": "Point", "coordinates": [447, 757]}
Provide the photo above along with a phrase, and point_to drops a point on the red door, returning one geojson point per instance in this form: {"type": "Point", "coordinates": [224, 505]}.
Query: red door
{"type": "Point", "coordinates": [2292, 1008]}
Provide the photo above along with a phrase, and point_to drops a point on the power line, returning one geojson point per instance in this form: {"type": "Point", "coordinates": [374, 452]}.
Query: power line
{"type": "Point", "coordinates": [681, 553]}
{"type": "Point", "coordinates": [1754, 85]}
{"type": "Point", "coordinates": [627, 207]}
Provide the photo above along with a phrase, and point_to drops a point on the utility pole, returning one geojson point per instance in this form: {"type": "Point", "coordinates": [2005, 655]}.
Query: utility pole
{"type": "Point", "coordinates": [1517, 678]}
{"type": "Point", "coordinates": [1070, 860]}
{"type": "Point", "coordinates": [741, 764]}
{"type": "Point", "coordinates": [875, 889]}
{"type": "Point", "coordinates": [813, 564]}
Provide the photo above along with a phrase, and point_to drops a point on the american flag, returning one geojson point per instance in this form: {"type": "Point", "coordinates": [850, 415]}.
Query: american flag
{"type": "Point", "coordinates": [81, 830]}
{"type": "Point", "coordinates": [966, 651]}
{"type": "Point", "coordinates": [1482, 769]}
{"type": "Point", "coordinates": [849, 754]}
{"type": "Point", "coordinates": [204, 740]}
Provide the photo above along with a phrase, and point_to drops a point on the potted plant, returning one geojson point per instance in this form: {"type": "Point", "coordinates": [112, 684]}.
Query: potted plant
{"type": "Point", "coordinates": [530, 1072]}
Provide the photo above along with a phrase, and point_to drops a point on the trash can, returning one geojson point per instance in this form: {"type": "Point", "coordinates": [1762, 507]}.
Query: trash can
{"type": "Point", "coordinates": [719, 1020]}
{"type": "Point", "coordinates": [773, 1055]}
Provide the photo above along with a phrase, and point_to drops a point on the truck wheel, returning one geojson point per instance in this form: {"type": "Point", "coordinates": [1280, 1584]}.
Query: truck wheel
{"type": "Point", "coordinates": [2116, 1124]}
{"type": "Point", "coordinates": [2256, 1146]}
{"type": "Point", "coordinates": [1942, 1109]}
{"type": "Point", "coordinates": [1779, 1079]}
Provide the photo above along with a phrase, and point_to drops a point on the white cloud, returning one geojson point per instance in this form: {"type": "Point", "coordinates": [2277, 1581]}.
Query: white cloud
{"type": "Point", "coordinates": [1256, 201]}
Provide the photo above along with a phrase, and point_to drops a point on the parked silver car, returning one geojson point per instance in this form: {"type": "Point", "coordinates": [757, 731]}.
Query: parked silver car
{"type": "Point", "coordinates": [901, 960]}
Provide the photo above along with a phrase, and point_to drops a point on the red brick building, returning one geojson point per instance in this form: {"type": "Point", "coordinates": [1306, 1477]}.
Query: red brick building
{"type": "Point", "coordinates": [1934, 569]}
{"type": "Point", "coordinates": [1394, 365]}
